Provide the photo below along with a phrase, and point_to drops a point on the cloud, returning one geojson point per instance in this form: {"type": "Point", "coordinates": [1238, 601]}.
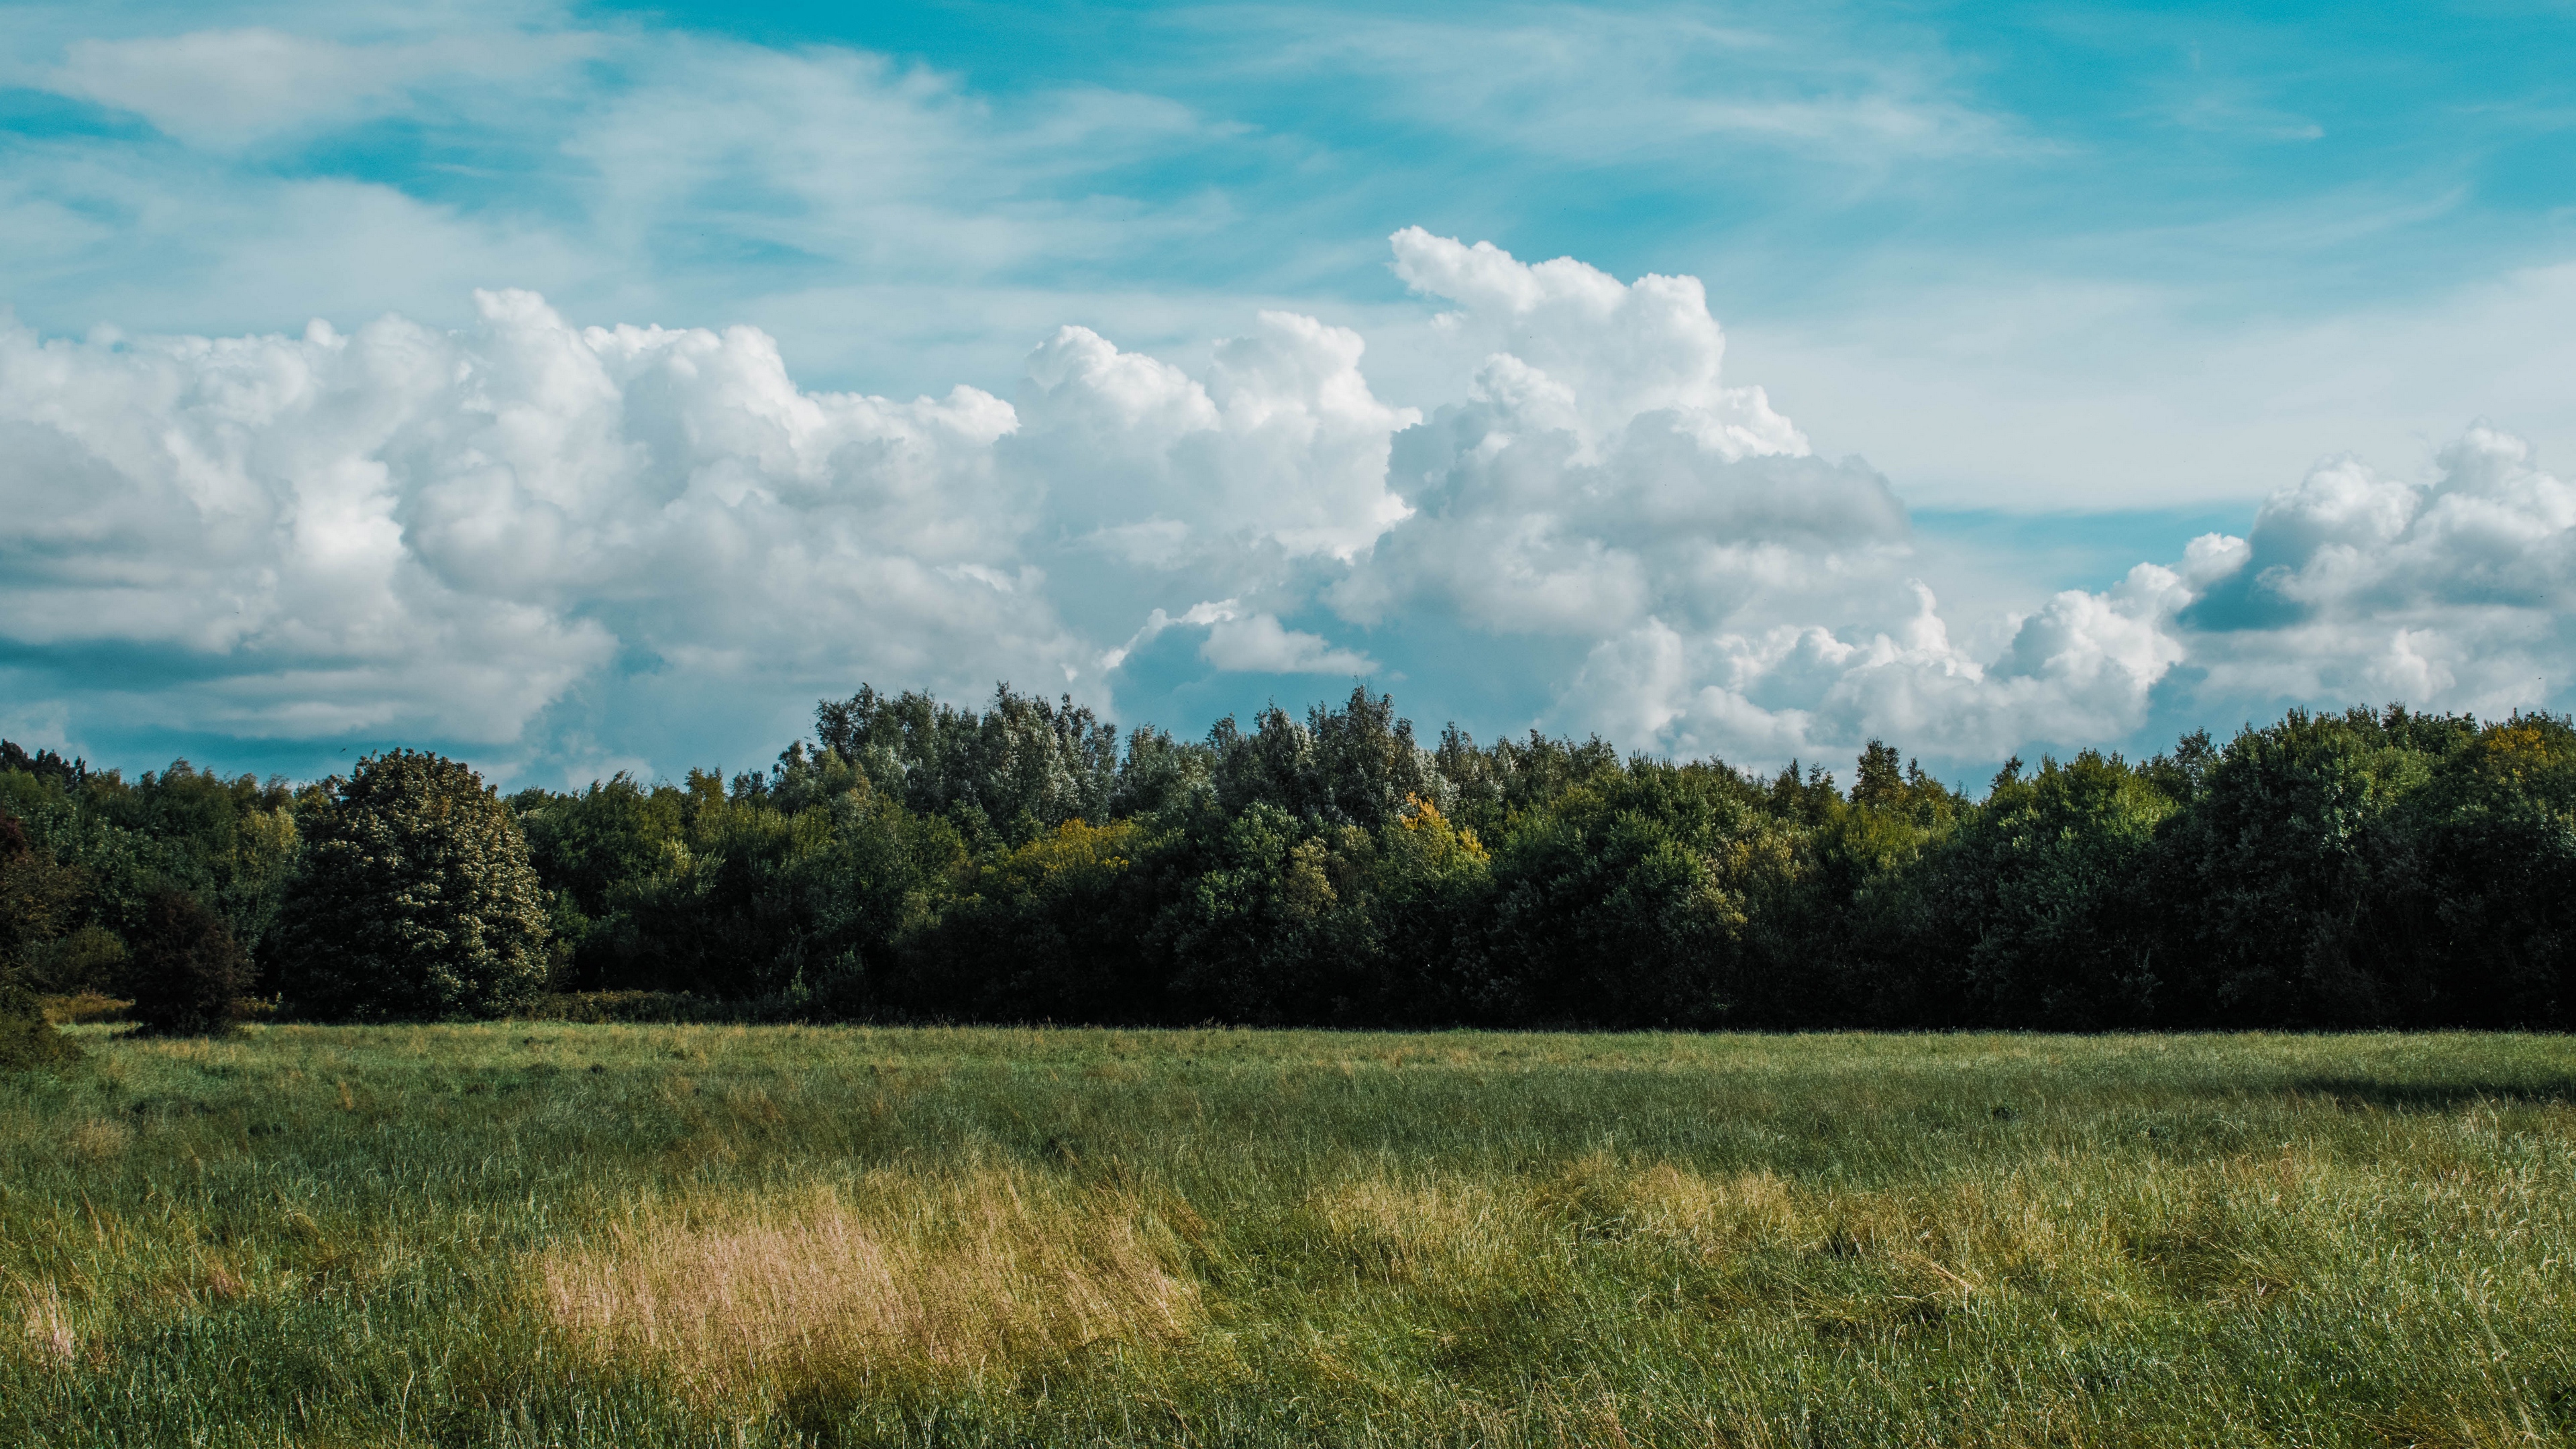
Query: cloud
{"type": "Point", "coordinates": [1259, 644]}
{"type": "Point", "coordinates": [2457, 593]}
{"type": "Point", "coordinates": [409, 530]}
{"type": "Point", "coordinates": [1281, 443]}
{"type": "Point", "coordinates": [1602, 85]}
{"type": "Point", "coordinates": [868, 210]}
{"type": "Point", "coordinates": [227, 88]}
{"type": "Point", "coordinates": [2000, 388]}
{"type": "Point", "coordinates": [1571, 347]}
{"type": "Point", "coordinates": [847, 156]}
{"type": "Point", "coordinates": [406, 531]}
{"type": "Point", "coordinates": [1600, 471]}
{"type": "Point", "coordinates": [1246, 643]}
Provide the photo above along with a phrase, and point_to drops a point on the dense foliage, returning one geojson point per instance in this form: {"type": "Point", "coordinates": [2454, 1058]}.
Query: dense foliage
{"type": "Point", "coordinates": [185, 971]}
{"type": "Point", "coordinates": [1026, 862]}
{"type": "Point", "coordinates": [29, 895]}
{"type": "Point", "coordinates": [412, 899]}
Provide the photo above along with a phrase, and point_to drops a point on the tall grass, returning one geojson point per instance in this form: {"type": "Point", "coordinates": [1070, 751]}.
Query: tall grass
{"type": "Point", "coordinates": [557, 1234]}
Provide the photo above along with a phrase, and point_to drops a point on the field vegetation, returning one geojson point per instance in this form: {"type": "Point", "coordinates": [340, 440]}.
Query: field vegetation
{"type": "Point", "coordinates": [529, 1232]}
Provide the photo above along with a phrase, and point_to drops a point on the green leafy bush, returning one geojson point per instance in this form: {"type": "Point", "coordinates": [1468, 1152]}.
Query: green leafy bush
{"type": "Point", "coordinates": [27, 1040]}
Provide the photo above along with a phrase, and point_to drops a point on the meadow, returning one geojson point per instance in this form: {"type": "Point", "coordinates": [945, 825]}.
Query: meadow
{"type": "Point", "coordinates": [544, 1233]}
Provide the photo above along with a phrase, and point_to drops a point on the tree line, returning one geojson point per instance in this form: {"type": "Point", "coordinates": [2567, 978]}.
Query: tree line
{"type": "Point", "coordinates": [1026, 861]}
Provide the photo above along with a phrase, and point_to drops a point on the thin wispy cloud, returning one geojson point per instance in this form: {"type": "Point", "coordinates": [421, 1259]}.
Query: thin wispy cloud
{"type": "Point", "coordinates": [1620, 85]}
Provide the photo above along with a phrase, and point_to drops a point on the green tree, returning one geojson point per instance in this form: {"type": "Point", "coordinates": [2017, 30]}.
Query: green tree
{"type": "Point", "coordinates": [1007, 775]}
{"type": "Point", "coordinates": [2280, 878]}
{"type": "Point", "coordinates": [2479, 923]}
{"type": "Point", "coordinates": [2048, 908]}
{"type": "Point", "coordinates": [187, 973]}
{"type": "Point", "coordinates": [414, 900]}
{"type": "Point", "coordinates": [38, 896]}
{"type": "Point", "coordinates": [1631, 901]}
{"type": "Point", "coordinates": [1050, 930]}
{"type": "Point", "coordinates": [29, 894]}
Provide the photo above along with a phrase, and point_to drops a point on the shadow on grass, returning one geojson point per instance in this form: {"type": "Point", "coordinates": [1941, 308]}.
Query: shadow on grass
{"type": "Point", "coordinates": [2436, 1096]}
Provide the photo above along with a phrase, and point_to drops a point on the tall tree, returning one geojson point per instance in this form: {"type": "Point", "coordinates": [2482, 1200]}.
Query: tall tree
{"type": "Point", "coordinates": [415, 898]}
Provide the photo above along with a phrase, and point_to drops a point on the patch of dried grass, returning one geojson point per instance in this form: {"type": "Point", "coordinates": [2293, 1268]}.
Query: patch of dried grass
{"type": "Point", "coordinates": [98, 1139]}
{"type": "Point", "coordinates": [1608, 1198]}
{"type": "Point", "coordinates": [990, 1272]}
{"type": "Point", "coordinates": [46, 1326]}
{"type": "Point", "coordinates": [1449, 1228]}
{"type": "Point", "coordinates": [84, 1007]}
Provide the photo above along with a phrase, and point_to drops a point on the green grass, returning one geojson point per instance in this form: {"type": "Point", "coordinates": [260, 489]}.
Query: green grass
{"type": "Point", "coordinates": [534, 1233]}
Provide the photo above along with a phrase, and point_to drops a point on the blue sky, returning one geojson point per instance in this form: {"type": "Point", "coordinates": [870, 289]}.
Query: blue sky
{"type": "Point", "coordinates": [2075, 284]}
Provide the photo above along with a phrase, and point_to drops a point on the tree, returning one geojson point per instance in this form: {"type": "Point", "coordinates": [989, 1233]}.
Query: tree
{"type": "Point", "coordinates": [27, 899]}
{"type": "Point", "coordinates": [186, 973]}
{"type": "Point", "coordinates": [1629, 901]}
{"type": "Point", "coordinates": [38, 896]}
{"type": "Point", "coordinates": [2042, 899]}
{"type": "Point", "coordinates": [2280, 876]}
{"type": "Point", "coordinates": [1016, 771]}
{"type": "Point", "coordinates": [1050, 931]}
{"type": "Point", "coordinates": [1357, 765]}
{"type": "Point", "coordinates": [2479, 919]}
{"type": "Point", "coordinates": [415, 898]}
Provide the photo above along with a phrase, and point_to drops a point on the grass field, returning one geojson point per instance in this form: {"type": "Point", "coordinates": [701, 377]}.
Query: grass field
{"type": "Point", "coordinates": [541, 1234]}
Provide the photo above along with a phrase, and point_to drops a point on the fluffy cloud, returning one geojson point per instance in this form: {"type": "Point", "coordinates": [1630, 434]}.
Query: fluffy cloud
{"type": "Point", "coordinates": [2455, 593]}
{"type": "Point", "coordinates": [1599, 472]}
{"type": "Point", "coordinates": [420, 532]}
{"type": "Point", "coordinates": [1603, 482]}
{"type": "Point", "coordinates": [410, 530]}
{"type": "Point", "coordinates": [1281, 444]}
{"type": "Point", "coordinates": [407, 530]}
{"type": "Point", "coordinates": [1573, 346]}
{"type": "Point", "coordinates": [1247, 643]}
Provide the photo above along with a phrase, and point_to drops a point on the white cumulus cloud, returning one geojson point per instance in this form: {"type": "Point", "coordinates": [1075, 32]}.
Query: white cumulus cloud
{"type": "Point", "coordinates": [1281, 443]}
{"type": "Point", "coordinates": [2456, 593]}
{"type": "Point", "coordinates": [402, 529]}
{"type": "Point", "coordinates": [408, 531]}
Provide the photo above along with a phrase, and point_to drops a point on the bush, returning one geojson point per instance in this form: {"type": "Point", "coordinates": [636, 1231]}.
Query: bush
{"type": "Point", "coordinates": [27, 1040]}
{"type": "Point", "coordinates": [185, 972]}
{"type": "Point", "coordinates": [90, 959]}
{"type": "Point", "coordinates": [670, 1008]}
{"type": "Point", "coordinates": [414, 901]}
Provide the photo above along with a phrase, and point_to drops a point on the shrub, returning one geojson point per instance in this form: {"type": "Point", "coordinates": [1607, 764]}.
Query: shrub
{"type": "Point", "coordinates": [185, 972]}
{"type": "Point", "coordinates": [415, 898]}
{"type": "Point", "coordinates": [90, 959]}
{"type": "Point", "coordinates": [27, 1040]}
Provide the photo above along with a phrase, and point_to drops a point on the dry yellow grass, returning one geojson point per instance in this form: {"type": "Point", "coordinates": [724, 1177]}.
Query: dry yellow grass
{"type": "Point", "coordinates": [97, 1140]}
{"type": "Point", "coordinates": [987, 1273]}
{"type": "Point", "coordinates": [1438, 1226]}
{"type": "Point", "coordinates": [46, 1326]}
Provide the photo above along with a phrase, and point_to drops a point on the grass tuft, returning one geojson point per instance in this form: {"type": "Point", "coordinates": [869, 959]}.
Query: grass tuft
{"type": "Point", "coordinates": [989, 1274]}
